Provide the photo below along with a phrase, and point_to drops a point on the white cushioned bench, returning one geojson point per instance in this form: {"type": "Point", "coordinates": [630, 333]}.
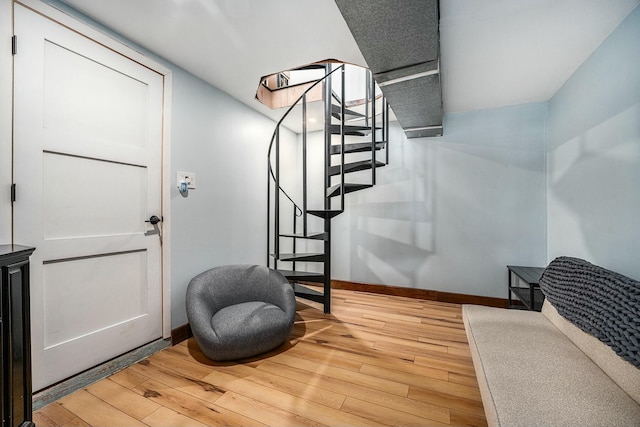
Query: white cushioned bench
{"type": "Point", "coordinates": [539, 369]}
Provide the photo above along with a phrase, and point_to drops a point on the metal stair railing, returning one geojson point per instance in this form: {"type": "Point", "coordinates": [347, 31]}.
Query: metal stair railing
{"type": "Point", "coordinates": [275, 175]}
{"type": "Point", "coordinates": [372, 144]}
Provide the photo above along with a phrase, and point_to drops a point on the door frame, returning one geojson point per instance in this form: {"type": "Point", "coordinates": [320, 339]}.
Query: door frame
{"type": "Point", "coordinates": [107, 41]}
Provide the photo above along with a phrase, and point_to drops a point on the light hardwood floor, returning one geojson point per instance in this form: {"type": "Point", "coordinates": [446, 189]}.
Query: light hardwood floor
{"type": "Point", "coordinates": [376, 360]}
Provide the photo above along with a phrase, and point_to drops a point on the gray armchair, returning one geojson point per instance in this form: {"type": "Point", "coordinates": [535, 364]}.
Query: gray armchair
{"type": "Point", "coordinates": [239, 311]}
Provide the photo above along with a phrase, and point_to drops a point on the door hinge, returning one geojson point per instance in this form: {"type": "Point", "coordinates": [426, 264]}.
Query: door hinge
{"type": "Point", "coordinates": [14, 45]}
{"type": "Point", "coordinates": [13, 193]}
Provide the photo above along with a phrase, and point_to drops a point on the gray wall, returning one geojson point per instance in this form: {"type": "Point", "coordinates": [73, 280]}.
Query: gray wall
{"type": "Point", "coordinates": [450, 213]}
{"type": "Point", "coordinates": [593, 156]}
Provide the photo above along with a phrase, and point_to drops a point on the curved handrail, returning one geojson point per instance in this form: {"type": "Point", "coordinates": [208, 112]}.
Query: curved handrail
{"type": "Point", "coordinates": [295, 205]}
{"type": "Point", "coordinates": [296, 103]}
{"type": "Point", "coordinates": [297, 208]}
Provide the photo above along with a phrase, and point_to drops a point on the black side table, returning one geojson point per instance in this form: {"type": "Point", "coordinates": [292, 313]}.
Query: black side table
{"type": "Point", "coordinates": [524, 284]}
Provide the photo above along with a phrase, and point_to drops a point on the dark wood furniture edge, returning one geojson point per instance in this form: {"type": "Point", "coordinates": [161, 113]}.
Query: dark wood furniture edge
{"type": "Point", "coordinates": [424, 294]}
{"type": "Point", "coordinates": [181, 333]}
{"type": "Point", "coordinates": [16, 390]}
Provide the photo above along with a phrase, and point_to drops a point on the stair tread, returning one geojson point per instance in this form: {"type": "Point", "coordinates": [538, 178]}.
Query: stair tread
{"type": "Point", "coordinates": [356, 148]}
{"type": "Point", "coordinates": [302, 275]}
{"type": "Point", "coordinates": [351, 130]}
{"type": "Point", "coordinates": [308, 293]}
{"type": "Point", "coordinates": [336, 111]}
{"type": "Point", "coordinates": [324, 213]}
{"type": "Point", "coordinates": [355, 127]}
{"type": "Point", "coordinates": [354, 167]}
{"type": "Point", "coordinates": [314, 235]}
{"type": "Point", "coordinates": [348, 188]}
{"type": "Point", "coordinates": [306, 256]}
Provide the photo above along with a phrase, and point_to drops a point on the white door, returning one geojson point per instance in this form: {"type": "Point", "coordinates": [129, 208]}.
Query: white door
{"type": "Point", "coordinates": [87, 165]}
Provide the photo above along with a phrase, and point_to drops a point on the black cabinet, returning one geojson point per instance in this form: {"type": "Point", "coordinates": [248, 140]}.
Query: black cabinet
{"type": "Point", "coordinates": [15, 334]}
{"type": "Point", "coordinates": [524, 284]}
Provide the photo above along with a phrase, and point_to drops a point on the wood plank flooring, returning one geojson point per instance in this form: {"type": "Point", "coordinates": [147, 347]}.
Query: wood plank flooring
{"type": "Point", "coordinates": [376, 360]}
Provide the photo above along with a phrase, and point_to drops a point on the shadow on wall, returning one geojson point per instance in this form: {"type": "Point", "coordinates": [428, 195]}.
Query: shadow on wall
{"type": "Point", "coordinates": [594, 182]}
{"type": "Point", "coordinates": [594, 156]}
{"type": "Point", "coordinates": [477, 202]}
{"type": "Point", "coordinates": [393, 233]}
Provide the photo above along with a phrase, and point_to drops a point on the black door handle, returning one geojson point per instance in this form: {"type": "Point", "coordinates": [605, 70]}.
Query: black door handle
{"type": "Point", "coordinates": [153, 220]}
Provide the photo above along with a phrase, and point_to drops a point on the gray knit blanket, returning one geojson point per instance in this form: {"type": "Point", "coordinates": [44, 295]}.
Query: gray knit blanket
{"type": "Point", "coordinates": [601, 302]}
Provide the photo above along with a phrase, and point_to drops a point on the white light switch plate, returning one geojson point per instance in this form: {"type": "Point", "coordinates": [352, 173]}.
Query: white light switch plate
{"type": "Point", "coordinates": [181, 176]}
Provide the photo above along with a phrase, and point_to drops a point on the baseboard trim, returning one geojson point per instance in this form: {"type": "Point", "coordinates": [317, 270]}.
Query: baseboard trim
{"type": "Point", "coordinates": [90, 376]}
{"type": "Point", "coordinates": [424, 294]}
{"type": "Point", "coordinates": [181, 333]}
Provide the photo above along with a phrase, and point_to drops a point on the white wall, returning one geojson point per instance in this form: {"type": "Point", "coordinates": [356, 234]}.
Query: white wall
{"type": "Point", "coordinates": [448, 213]}
{"type": "Point", "coordinates": [223, 221]}
{"type": "Point", "coordinates": [594, 156]}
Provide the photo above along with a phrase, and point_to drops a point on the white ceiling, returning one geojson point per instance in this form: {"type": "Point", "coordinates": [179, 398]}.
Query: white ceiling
{"type": "Point", "coordinates": [494, 53]}
{"type": "Point", "coordinates": [507, 52]}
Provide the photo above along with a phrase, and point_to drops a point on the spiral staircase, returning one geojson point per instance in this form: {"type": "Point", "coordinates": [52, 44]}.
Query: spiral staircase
{"type": "Point", "coordinates": [354, 138]}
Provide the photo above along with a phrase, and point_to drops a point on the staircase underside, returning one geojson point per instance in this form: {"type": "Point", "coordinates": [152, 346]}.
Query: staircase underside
{"type": "Point", "coordinates": [354, 167]}
{"type": "Point", "coordinates": [308, 293]}
{"type": "Point", "coordinates": [302, 276]}
{"type": "Point", "coordinates": [405, 62]}
{"type": "Point", "coordinates": [359, 147]}
{"type": "Point", "coordinates": [314, 235]}
{"type": "Point", "coordinates": [336, 190]}
{"type": "Point", "coordinates": [324, 213]}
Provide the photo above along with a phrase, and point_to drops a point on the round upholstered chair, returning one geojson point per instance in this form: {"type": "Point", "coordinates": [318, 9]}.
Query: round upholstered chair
{"type": "Point", "coordinates": [239, 311]}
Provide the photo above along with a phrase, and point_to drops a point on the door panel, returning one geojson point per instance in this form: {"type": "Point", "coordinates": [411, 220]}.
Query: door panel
{"type": "Point", "coordinates": [90, 189]}
{"type": "Point", "coordinates": [87, 165]}
{"type": "Point", "coordinates": [65, 280]}
{"type": "Point", "coordinates": [83, 96]}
